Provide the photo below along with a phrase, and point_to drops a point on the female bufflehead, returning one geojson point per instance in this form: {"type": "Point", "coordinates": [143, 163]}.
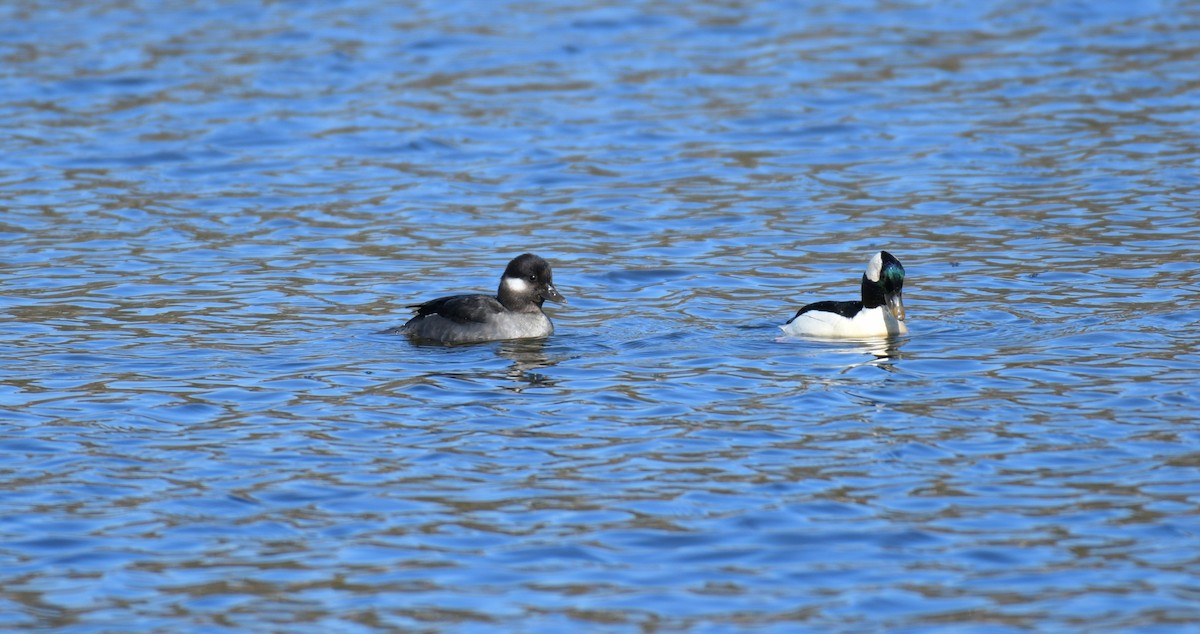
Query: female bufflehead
{"type": "Point", "coordinates": [514, 313]}
{"type": "Point", "coordinates": [879, 314]}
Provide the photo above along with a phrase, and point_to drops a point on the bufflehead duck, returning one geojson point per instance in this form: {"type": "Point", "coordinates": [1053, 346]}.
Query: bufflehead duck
{"type": "Point", "coordinates": [879, 314]}
{"type": "Point", "coordinates": [514, 313]}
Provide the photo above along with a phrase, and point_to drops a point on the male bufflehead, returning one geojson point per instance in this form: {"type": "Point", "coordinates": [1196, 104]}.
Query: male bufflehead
{"type": "Point", "coordinates": [514, 313]}
{"type": "Point", "coordinates": [879, 314]}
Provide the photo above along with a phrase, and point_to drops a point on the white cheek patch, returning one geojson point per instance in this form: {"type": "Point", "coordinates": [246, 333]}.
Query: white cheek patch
{"type": "Point", "coordinates": [875, 267]}
{"type": "Point", "coordinates": [516, 285]}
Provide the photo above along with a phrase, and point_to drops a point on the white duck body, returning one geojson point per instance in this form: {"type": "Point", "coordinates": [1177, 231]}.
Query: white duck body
{"type": "Point", "coordinates": [865, 324]}
{"type": "Point", "coordinates": [880, 313]}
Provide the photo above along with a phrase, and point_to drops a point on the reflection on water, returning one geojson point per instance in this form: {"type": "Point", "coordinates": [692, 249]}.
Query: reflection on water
{"type": "Point", "coordinates": [209, 210]}
{"type": "Point", "coordinates": [528, 359]}
{"type": "Point", "coordinates": [879, 350]}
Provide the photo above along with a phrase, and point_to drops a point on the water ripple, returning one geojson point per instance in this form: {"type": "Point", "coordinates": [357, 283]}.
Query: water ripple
{"type": "Point", "coordinates": [209, 210]}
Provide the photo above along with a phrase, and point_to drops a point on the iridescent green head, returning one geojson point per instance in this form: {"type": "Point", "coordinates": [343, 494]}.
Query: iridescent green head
{"type": "Point", "coordinates": [883, 284]}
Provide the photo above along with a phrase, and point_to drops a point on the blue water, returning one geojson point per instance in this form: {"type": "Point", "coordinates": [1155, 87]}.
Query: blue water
{"type": "Point", "coordinates": [209, 210]}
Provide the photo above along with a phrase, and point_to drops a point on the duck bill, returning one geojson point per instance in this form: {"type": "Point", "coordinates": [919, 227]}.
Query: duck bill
{"type": "Point", "coordinates": [895, 305]}
{"type": "Point", "coordinates": [551, 294]}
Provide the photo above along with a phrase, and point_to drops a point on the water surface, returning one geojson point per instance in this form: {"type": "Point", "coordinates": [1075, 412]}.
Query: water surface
{"type": "Point", "coordinates": [210, 210]}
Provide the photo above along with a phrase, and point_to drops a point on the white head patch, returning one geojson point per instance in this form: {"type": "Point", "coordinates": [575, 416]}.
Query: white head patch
{"type": "Point", "coordinates": [516, 285]}
{"type": "Point", "coordinates": [875, 267]}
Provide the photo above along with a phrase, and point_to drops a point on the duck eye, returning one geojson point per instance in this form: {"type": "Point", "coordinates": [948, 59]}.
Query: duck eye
{"type": "Point", "coordinates": [532, 278]}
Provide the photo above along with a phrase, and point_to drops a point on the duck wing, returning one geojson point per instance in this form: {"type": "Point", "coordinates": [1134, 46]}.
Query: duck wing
{"type": "Point", "coordinates": [461, 308]}
{"type": "Point", "coordinates": [845, 309]}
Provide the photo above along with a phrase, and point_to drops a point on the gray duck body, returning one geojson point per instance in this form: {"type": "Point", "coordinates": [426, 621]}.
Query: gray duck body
{"type": "Point", "coordinates": [515, 312]}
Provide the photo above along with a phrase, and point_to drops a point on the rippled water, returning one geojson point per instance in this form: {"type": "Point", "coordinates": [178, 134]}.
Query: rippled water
{"type": "Point", "coordinates": [209, 210]}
